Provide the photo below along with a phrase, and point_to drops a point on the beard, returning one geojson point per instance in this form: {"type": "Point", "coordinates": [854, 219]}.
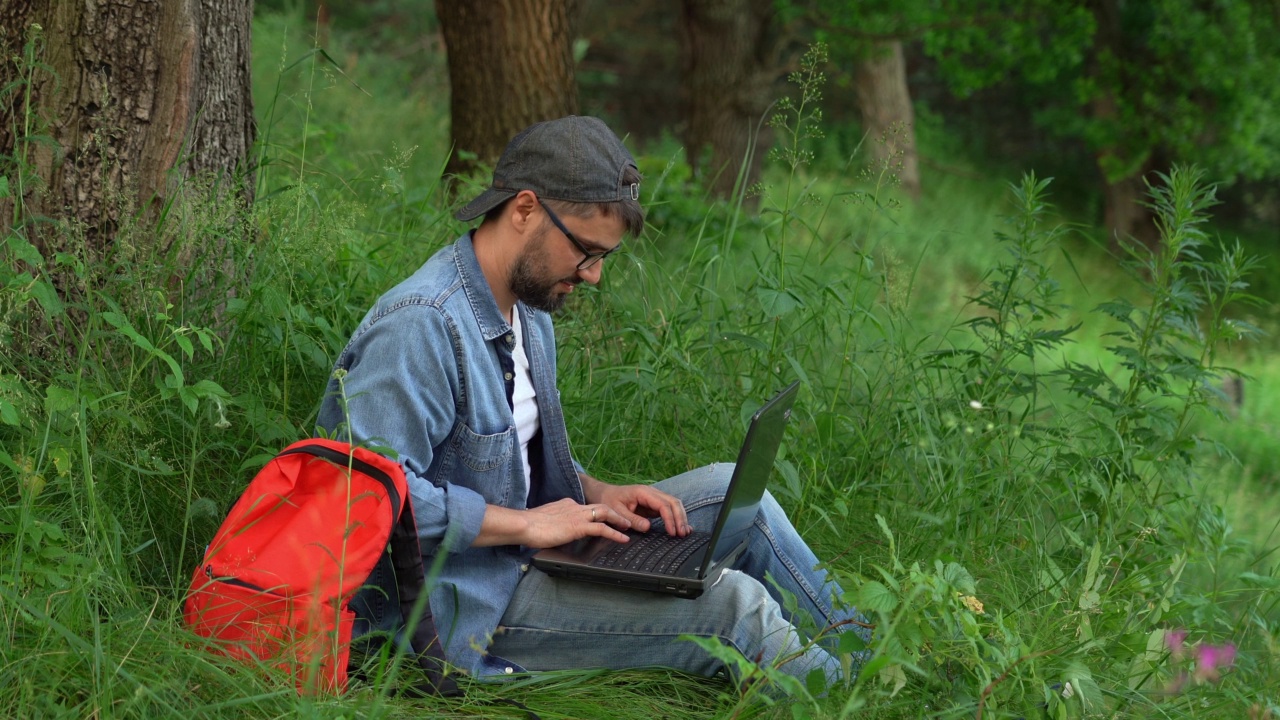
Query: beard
{"type": "Point", "coordinates": [530, 281]}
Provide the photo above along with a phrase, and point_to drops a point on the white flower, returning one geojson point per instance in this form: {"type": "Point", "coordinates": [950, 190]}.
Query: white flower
{"type": "Point", "coordinates": [975, 404]}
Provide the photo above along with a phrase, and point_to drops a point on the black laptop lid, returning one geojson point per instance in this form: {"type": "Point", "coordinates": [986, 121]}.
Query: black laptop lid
{"type": "Point", "coordinates": [746, 487]}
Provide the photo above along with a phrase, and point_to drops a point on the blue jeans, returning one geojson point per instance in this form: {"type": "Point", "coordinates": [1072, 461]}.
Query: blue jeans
{"type": "Point", "coordinates": [553, 624]}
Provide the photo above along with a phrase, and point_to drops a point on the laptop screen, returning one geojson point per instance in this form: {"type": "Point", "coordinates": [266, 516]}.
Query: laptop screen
{"type": "Point", "coordinates": [755, 463]}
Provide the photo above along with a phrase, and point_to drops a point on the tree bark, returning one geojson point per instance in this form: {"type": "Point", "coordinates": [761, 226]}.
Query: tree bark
{"type": "Point", "coordinates": [139, 98]}
{"type": "Point", "coordinates": [510, 65]}
{"type": "Point", "coordinates": [728, 73]}
{"type": "Point", "coordinates": [887, 116]}
{"type": "Point", "coordinates": [1124, 216]}
{"type": "Point", "coordinates": [1122, 162]}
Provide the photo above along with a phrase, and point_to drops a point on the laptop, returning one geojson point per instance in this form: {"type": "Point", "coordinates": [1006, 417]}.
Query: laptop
{"type": "Point", "coordinates": [685, 566]}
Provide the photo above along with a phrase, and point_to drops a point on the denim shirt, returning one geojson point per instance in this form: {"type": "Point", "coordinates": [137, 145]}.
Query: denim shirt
{"type": "Point", "coordinates": [429, 374]}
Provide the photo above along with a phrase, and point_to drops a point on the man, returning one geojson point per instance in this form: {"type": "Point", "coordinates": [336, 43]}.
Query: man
{"type": "Point", "coordinates": [455, 369]}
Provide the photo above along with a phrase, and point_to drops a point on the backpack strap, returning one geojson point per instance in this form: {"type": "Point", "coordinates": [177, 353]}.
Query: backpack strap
{"type": "Point", "coordinates": [406, 557]}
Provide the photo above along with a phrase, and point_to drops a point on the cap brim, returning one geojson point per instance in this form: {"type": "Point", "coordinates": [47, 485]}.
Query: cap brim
{"type": "Point", "coordinates": [487, 200]}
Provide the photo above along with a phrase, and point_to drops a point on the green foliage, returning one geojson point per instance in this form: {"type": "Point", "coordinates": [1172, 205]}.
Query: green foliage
{"type": "Point", "coordinates": [1068, 485]}
{"type": "Point", "coordinates": [1186, 80]}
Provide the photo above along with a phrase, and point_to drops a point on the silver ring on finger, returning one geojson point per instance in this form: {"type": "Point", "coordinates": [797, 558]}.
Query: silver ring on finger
{"type": "Point", "coordinates": [593, 514]}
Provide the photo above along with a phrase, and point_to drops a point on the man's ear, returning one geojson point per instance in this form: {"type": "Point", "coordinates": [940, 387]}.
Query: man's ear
{"type": "Point", "coordinates": [521, 210]}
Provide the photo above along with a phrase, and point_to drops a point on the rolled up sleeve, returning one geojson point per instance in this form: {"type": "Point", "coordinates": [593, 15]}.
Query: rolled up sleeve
{"type": "Point", "coordinates": [448, 516]}
{"type": "Point", "coordinates": [395, 389]}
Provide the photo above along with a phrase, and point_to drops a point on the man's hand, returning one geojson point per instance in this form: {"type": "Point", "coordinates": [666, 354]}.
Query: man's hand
{"type": "Point", "coordinates": [550, 525]}
{"type": "Point", "coordinates": [638, 503]}
{"type": "Point", "coordinates": [609, 509]}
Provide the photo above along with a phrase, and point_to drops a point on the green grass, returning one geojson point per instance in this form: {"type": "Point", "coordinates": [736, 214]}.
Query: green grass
{"type": "Point", "coordinates": [1083, 522]}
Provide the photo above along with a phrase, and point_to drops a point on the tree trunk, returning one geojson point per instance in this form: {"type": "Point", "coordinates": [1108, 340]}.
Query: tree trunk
{"type": "Point", "coordinates": [142, 96]}
{"type": "Point", "coordinates": [1124, 215]}
{"type": "Point", "coordinates": [510, 65]}
{"type": "Point", "coordinates": [887, 116]}
{"type": "Point", "coordinates": [728, 72]}
{"type": "Point", "coordinates": [1122, 161]}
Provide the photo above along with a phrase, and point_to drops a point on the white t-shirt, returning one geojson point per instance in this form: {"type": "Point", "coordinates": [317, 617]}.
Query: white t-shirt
{"type": "Point", "coordinates": [524, 401]}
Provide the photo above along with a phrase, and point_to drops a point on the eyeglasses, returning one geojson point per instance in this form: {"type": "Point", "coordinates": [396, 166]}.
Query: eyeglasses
{"type": "Point", "coordinates": [592, 257]}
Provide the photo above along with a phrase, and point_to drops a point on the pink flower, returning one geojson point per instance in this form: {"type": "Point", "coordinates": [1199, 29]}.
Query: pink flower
{"type": "Point", "coordinates": [1174, 639]}
{"type": "Point", "coordinates": [1212, 658]}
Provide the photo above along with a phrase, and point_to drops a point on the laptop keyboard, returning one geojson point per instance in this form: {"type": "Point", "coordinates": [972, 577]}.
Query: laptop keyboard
{"type": "Point", "coordinates": [653, 552]}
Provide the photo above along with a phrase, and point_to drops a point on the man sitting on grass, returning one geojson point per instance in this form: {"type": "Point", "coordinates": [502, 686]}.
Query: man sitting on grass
{"type": "Point", "coordinates": [455, 368]}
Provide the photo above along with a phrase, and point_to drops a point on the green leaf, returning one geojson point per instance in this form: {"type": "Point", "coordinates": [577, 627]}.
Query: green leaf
{"type": "Point", "coordinates": [4, 186]}
{"type": "Point", "coordinates": [776, 303]}
{"type": "Point", "coordinates": [184, 342]}
{"type": "Point", "coordinates": [816, 683]}
{"type": "Point", "coordinates": [1086, 688]}
{"type": "Point", "coordinates": [188, 398]}
{"type": "Point", "coordinates": [7, 461]}
{"type": "Point", "coordinates": [24, 251]}
{"type": "Point", "coordinates": [850, 642]}
{"type": "Point", "coordinates": [255, 462]}
{"type": "Point", "coordinates": [874, 597]}
{"type": "Point", "coordinates": [209, 388]}
{"type": "Point", "coordinates": [8, 413]}
{"type": "Point", "coordinates": [1091, 572]}
{"type": "Point", "coordinates": [791, 478]}
{"type": "Point", "coordinates": [48, 298]}
{"type": "Point", "coordinates": [884, 527]}
{"type": "Point", "coordinates": [874, 666]}
{"type": "Point", "coordinates": [1141, 669]}
{"type": "Point", "coordinates": [799, 370]}
{"type": "Point", "coordinates": [958, 578]}
{"type": "Point", "coordinates": [893, 675]}
{"type": "Point", "coordinates": [57, 399]}
{"type": "Point", "coordinates": [1262, 581]}
{"type": "Point", "coordinates": [122, 324]}
{"type": "Point", "coordinates": [751, 342]}
{"type": "Point", "coordinates": [1118, 309]}
{"type": "Point", "coordinates": [893, 549]}
{"type": "Point", "coordinates": [889, 579]}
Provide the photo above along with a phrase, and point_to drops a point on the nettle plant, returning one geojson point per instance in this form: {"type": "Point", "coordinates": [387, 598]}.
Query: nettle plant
{"type": "Point", "coordinates": [1072, 481]}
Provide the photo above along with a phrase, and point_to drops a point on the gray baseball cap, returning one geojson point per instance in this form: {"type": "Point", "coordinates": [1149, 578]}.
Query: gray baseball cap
{"type": "Point", "coordinates": [575, 159]}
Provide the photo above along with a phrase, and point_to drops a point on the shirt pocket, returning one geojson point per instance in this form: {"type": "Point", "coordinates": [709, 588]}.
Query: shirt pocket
{"type": "Point", "coordinates": [484, 462]}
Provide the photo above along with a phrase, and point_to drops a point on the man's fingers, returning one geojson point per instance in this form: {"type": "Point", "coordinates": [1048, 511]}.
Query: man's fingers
{"type": "Point", "coordinates": [633, 520]}
{"type": "Point", "coordinates": [604, 530]}
{"type": "Point", "coordinates": [667, 507]}
{"type": "Point", "coordinates": [673, 515]}
{"type": "Point", "coordinates": [606, 514]}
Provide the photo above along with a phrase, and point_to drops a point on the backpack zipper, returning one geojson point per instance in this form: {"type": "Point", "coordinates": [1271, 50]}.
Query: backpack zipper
{"type": "Point", "coordinates": [231, 580]}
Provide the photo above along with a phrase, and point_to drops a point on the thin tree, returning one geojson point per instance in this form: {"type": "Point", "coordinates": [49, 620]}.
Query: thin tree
{"type": "Point", "coordinates": [729, 68]}
{"type": "Point", "coordinates": [888, 119]}
{"type": "Point", "coordinates": [867, 47]}
{"type": "Point", "coordinates": [510, 65]}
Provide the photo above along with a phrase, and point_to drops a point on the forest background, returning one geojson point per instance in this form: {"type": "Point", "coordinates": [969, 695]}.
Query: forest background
{"type": "Point", "coordinates": [1036, 431]}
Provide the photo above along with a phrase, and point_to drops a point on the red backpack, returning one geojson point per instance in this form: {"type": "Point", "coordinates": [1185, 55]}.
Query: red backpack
{"type": "Point", "coordinates": [277, 579]}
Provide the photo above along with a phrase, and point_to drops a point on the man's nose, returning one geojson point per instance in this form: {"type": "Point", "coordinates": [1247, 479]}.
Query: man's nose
{"type": "Point", "coordinates": [592, 274]}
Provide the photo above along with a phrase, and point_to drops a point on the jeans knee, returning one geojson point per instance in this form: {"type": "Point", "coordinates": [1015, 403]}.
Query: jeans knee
{"type": "Point", "coordinates": [714, 478]}
{"type": "Point", "coordinates": [700, 485]}
{"type": "Point", "coordinates": [756, 619]}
